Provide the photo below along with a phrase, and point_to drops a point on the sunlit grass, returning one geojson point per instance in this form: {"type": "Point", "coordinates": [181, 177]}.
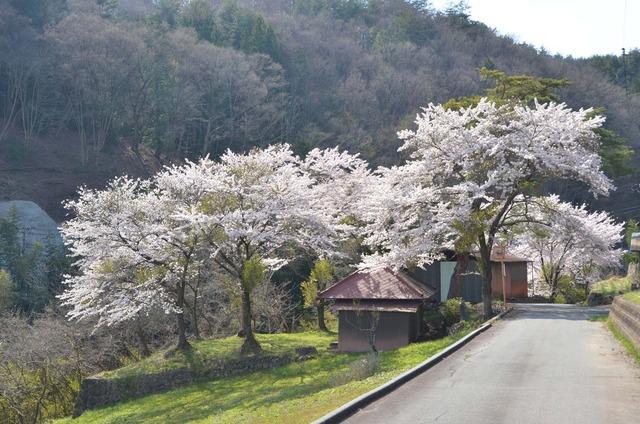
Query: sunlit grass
{"type": "Point", "coordinates": [207, 351]}
{"type": "Point", "coordinates": [624, 341]}
{"type": "Point", "coordinates": [298, 392]}
{"type": "Point", "coordinates": [612, 286]}
{"type": "Point", "coordinates": [633, 296]}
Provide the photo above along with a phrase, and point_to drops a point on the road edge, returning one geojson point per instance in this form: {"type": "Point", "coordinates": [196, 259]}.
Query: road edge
{"type": "Point", "coordinates": [350, 408]}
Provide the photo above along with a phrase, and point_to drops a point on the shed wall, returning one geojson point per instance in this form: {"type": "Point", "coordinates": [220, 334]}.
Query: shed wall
{"type": "Point", "coordinates": [515, 280]}
{"type": "Point", "coordinates": [393, 330]}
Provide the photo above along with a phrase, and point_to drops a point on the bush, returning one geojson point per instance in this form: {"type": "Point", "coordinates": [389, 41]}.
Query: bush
{"type": "Point", "coordinates": [450, 310]}
{"type": "Point", "coordinates": [358, 370]}
{"type": "Point", "coordinates": [461, 326]}
{"type": "Point", "coordinates": [560, 299]}
{"type": "Point", "coordinates": [570, 291]}
{"type": "Point", "coordinates": [432, 323]}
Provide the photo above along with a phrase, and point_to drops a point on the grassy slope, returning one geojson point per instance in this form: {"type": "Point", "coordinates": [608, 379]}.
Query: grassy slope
{"type": "Point", "coordinates": [218, 350]}
{"type": "Point", "coordinates": [612, 286]}
{"type": "Point", "coordinates": [299, 392]}
{"type": "Point", "coordinates": [633, 296]}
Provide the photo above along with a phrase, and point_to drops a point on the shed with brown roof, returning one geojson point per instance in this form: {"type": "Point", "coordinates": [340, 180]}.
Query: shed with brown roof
{"type": "Point", "coordinates": [378, 310]}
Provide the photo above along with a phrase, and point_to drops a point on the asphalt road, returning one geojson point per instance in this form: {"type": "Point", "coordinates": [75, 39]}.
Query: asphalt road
{"type": "Point", "coordinates": [542, 364]}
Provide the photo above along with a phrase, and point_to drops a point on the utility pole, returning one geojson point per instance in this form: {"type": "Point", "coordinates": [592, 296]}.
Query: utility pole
{"type": "Point", "coordinates": [624, 70]}
{"type": "Point", "coordinates": [501, 253]}
{"type": "Point", "coordinates": [504, 284]}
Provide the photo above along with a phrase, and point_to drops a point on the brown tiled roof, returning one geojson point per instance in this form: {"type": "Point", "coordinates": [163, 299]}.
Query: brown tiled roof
{"type": "Point", "coordinates": [379, 284]}
{"type": "Point", "coordinates": [376, 305]}
{"type": "Point", "coordinates": [507, 257]}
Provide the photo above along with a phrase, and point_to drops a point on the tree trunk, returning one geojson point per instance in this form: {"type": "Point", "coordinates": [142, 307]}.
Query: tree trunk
{"type": "Point", "coordinates": [321, 325]}
{"type": "Point", "coordinates": [183, 344]}
{"type": "Point", "coordinates": [485, 266]}
{"type": "Point", "coordinates": [142, 341]}
{"type": "Point", "coordinates": [194, 315]}
{"type": "Point", "coordinates": [456, 287]}
{"type": "Point", "coordinates": [250, 344]}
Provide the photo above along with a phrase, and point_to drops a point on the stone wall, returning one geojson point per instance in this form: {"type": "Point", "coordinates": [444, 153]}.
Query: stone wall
{"type": "Point", "coordinates": [626, 316]}
{"type": "Point", "coordinates": [96, 392]}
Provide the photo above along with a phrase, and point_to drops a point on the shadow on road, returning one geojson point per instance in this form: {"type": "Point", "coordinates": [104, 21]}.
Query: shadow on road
{"type": "Point", "coordinates": [553, 311]}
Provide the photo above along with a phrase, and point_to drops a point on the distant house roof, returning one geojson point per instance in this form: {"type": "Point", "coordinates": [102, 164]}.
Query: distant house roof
{"type": "Point", "coordinates": [497, 255]}
{"type": "Point", "coordinates": [507, 257]}
{"type": "Point", "coordinates": [382, 284]}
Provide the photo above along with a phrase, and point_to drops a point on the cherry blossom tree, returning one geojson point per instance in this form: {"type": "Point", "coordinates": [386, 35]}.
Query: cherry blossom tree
{"type": "Point", "coordinates": [258, 206]}
{"type": "Point", "coordinates": [132, 255]}
{"type": "Point", "coordinates": [141, 243]}
{"type": "Point", "coordinates": [472, 173]}
{"type": "Point", "coordinates": [564, 239]}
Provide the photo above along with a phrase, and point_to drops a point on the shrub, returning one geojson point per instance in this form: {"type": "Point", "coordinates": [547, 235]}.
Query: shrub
{"type": "Point", "coordinates": [560, 299]}
{"type": "Point", "coordinates": [358, 370]}
{"type": "Point", "coordinates": [571, 292]}
{"type": "Point", "coordinates": [461, 326]}
{"type": "Point", "coordinates": [450, 310]}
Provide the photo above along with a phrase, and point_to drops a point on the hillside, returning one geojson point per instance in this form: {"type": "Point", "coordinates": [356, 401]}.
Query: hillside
{"type": "Point", "coordinates": [212, 75]}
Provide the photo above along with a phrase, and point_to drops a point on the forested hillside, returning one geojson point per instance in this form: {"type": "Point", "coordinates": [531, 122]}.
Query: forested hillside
{"type": "Point", "coordinates": [95, 88]}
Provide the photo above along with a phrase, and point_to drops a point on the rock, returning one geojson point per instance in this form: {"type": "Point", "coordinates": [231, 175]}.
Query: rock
{"type": "Point", "coordinates": [306, 352]}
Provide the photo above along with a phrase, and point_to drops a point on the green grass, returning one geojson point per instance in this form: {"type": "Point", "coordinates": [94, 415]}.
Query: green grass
{"type": "Point", "coordinates": [624, 341]}
{"type": "Point", "coordinates": [207, 351]}
{"type": "Point", "coordinates": [633, 296]}
{"type": "Point", "coordinates": [599, 318]}
{"type": "Point", "coordinates": [612, 286]}
{"type": "Point", "coordinates": [298, 392]}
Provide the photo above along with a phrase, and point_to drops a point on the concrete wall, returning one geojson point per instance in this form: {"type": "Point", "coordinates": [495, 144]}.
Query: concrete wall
{"type": "Point", "coordinates": [393, 330]}
{"type": "Point", "coordinates": [626, 316]}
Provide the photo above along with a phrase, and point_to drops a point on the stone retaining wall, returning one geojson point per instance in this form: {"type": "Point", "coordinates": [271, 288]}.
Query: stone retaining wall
{"type": "Point", "coordinates": [96, 392]}
{"type": "Point", "coordinates": [626, 316]}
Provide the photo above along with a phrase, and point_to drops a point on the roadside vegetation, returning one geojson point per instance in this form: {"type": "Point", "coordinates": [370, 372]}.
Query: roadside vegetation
{"type": "Point", "coordinates": [612, 286]}
{"type": "Point", "coordinates": [298, 392]}
{"type": "Point", "coordinates": [633, 296]}
{"type": "Point", "coordinates": [624, 341]}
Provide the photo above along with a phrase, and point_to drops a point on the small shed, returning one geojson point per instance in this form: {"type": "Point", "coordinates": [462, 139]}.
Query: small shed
{"type": "Point", "coordinates": [515, 276]}
{"type": "Point", "coordinates": [380, 309]}
{"type": "Point", "coordinates": [441, 275]}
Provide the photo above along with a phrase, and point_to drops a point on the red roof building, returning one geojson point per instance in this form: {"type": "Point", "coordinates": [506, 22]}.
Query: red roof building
{"type": "Point", "coordinates": [378, 310]}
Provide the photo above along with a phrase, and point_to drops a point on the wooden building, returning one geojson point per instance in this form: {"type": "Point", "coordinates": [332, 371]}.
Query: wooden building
{"type": "Point", "coordinates": [516, 276]}
{"type": "Point", "coordinates": [381, 308]}
{"type": "Point", "coordinates": [441, 274]}
{"type": "Point", "coordinates": [384, 308]}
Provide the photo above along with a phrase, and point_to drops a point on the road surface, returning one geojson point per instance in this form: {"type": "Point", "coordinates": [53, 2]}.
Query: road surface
{"type": "Point", "coordinates": [541, 364]}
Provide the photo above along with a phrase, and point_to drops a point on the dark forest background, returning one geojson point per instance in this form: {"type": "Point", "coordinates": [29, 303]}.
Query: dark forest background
{"type": "Point", "coordinates": [94, 88]}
